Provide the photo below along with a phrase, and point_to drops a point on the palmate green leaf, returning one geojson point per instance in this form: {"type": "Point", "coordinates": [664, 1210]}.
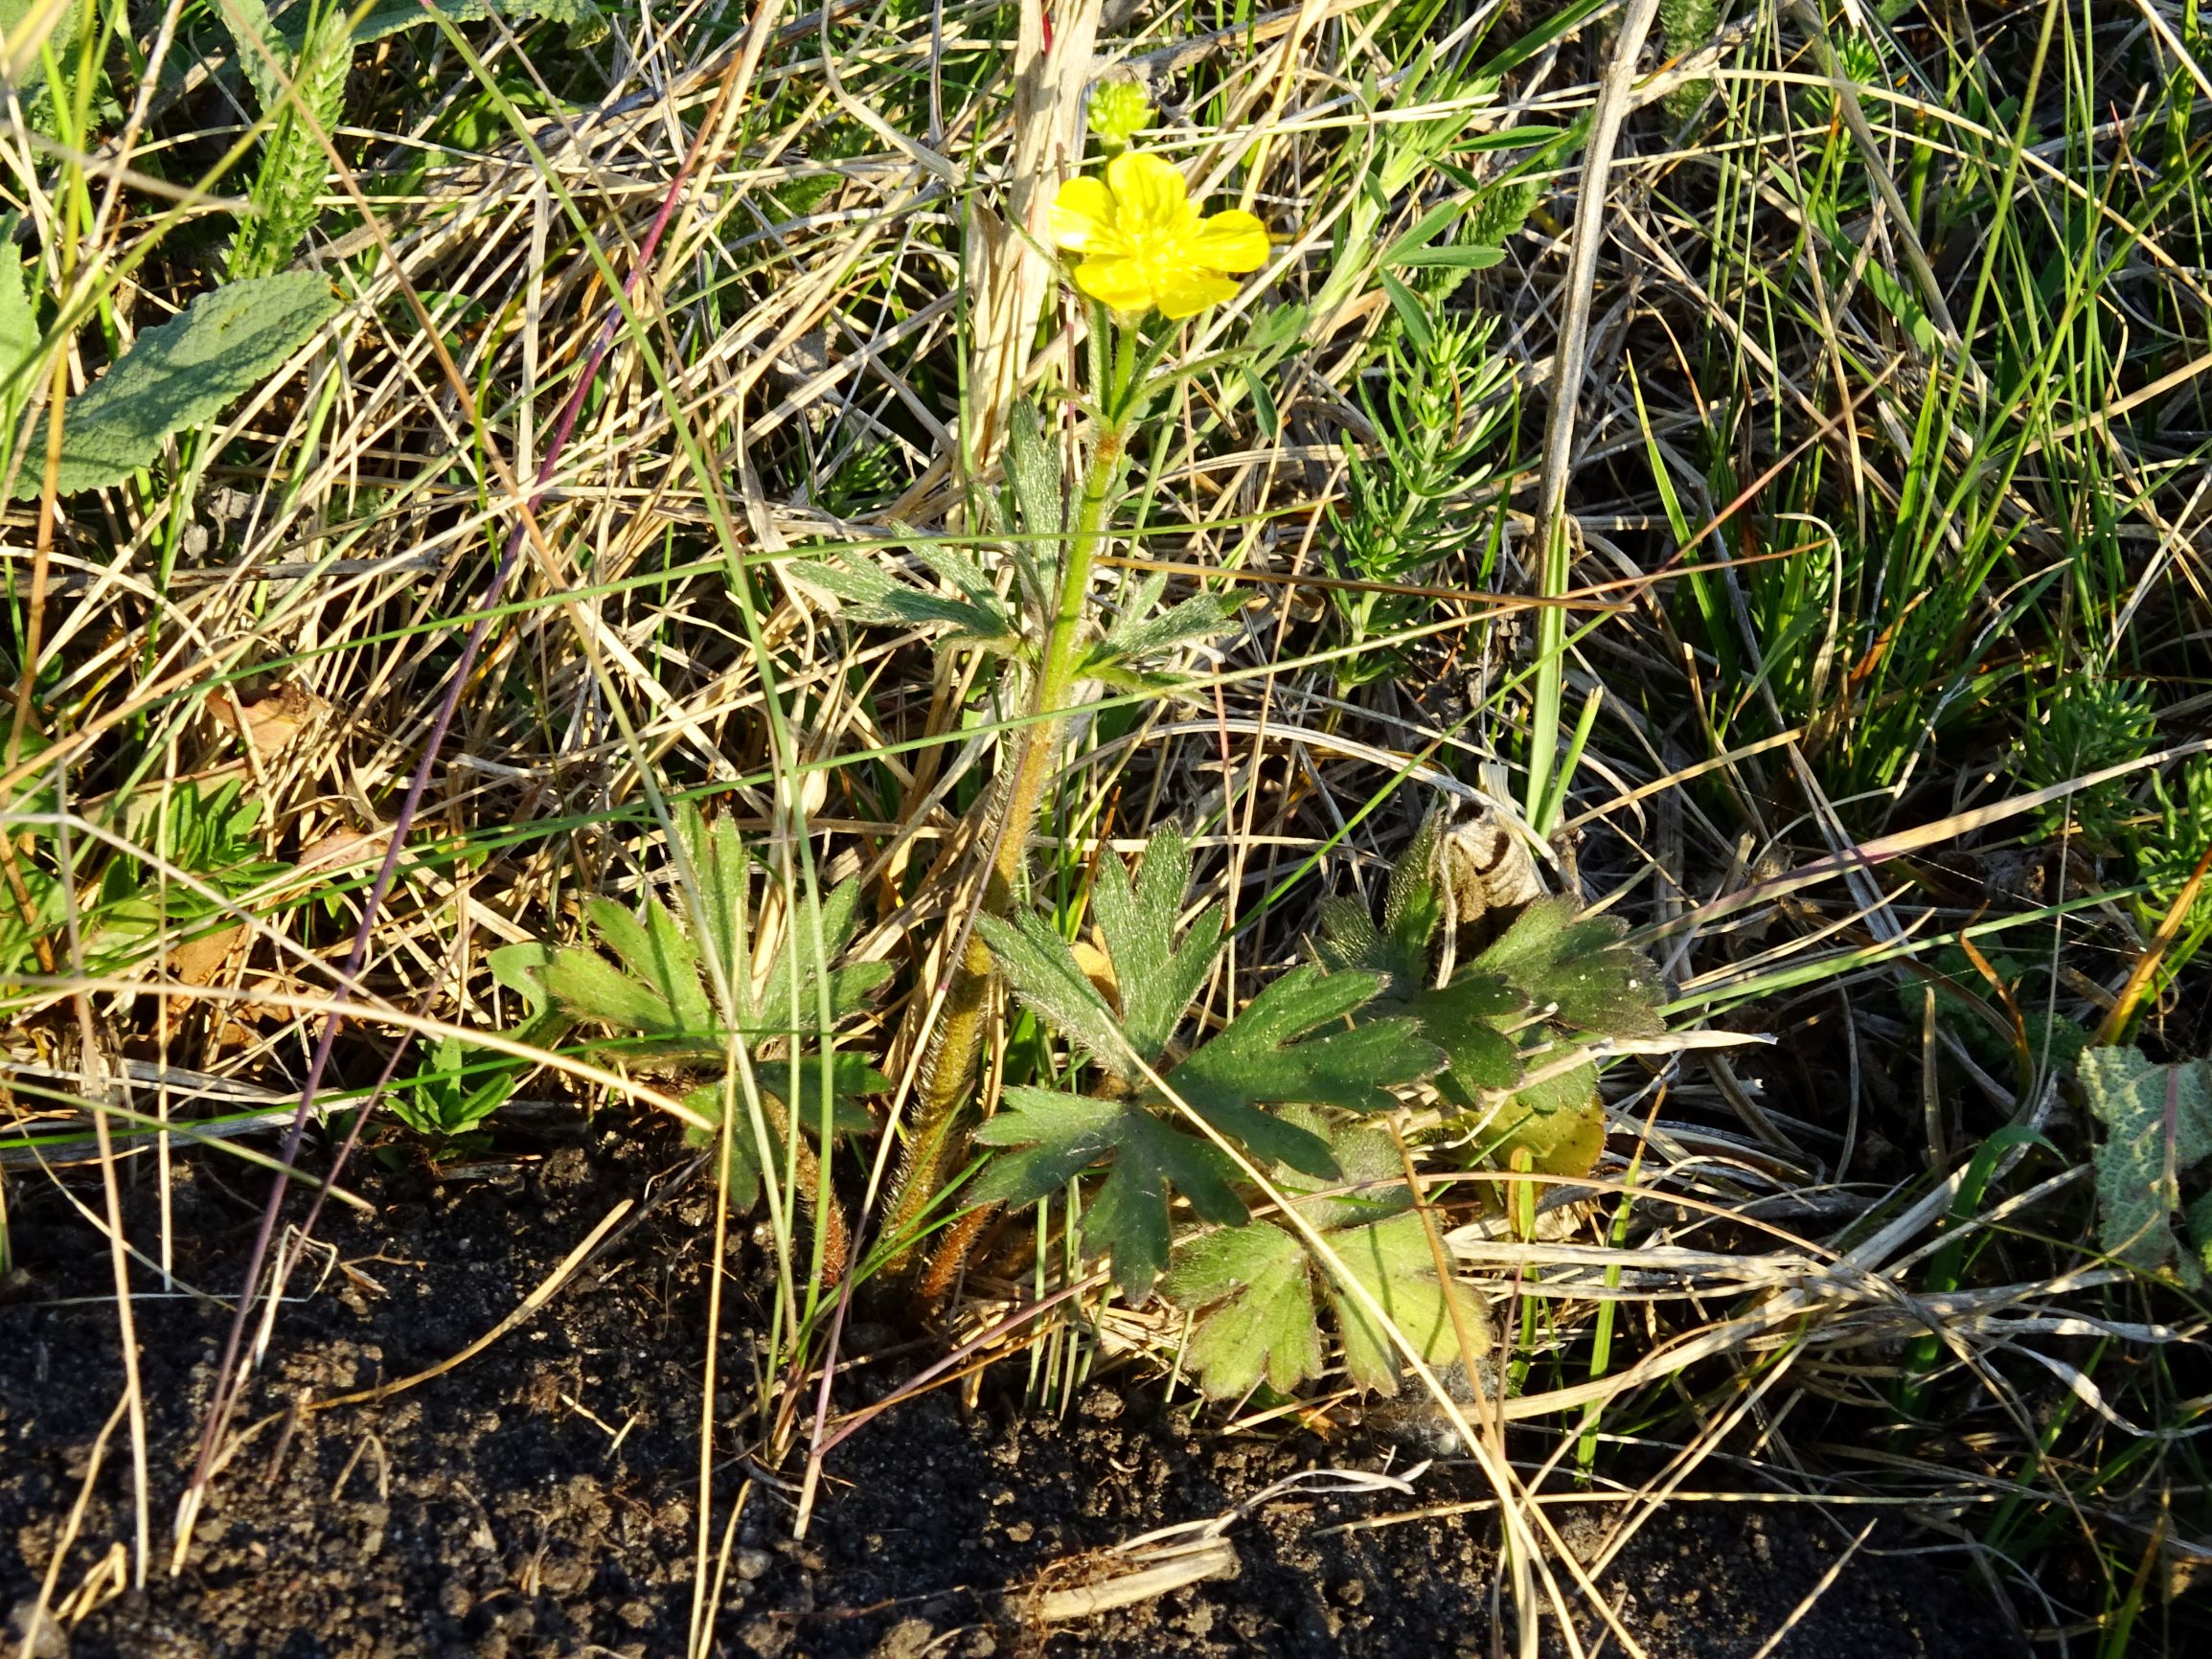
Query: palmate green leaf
{"type": "Point", "coordinates": [1060, 1136]}
{"type": "Point", "coordinates": [1577, 967]}
{"type": "Point", "coordinates": [1269, 1056]}
{"type": "Point", "coordinates": [1394, 1262]}
{"type": "Point", "coordinates": [1463, 1018]}
{"type": "Point", "coordinates": [1258, 1321]}
{"type": "Point", "coordinates": [1254, 1288]}
{"type": "Point", "coordinates": [2158, 1124]}
{"type": "Point", "coordinates": [1157, 981]}
{"type": "Point", "coordinates": [1260, 1059]}
{"type": "Point", "coordinates": [1413, 907]}
{"type": "Point", "coordinates": [184, 371]}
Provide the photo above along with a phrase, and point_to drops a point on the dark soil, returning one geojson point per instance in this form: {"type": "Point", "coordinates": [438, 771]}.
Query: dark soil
{"type": "Point", "coordinates": [539, 1498]}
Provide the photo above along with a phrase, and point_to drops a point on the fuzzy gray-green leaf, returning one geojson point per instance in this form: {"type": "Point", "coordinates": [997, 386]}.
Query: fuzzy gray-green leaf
{"type": "Point", "coordinates": [2158, 1126]}
{"type": "Point", "coordinates": [1157, 981]}
{"type": "Point", "coordinates": [184, 371]}
{"type": "Point", "coordinates": [1261, 1058]}
{"type": "Point", "coordinates": [1043, 973]}
{"type": "Point", "coordinates": [870, 596]}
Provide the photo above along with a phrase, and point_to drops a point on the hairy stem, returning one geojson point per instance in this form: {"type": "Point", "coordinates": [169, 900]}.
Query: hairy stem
{"type": "Point", "coordinates": [949, 1066]}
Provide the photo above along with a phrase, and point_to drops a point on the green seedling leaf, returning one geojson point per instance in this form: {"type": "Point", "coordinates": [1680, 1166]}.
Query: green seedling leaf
{"type": "Point", "coordinates": [662, 998]}
{"type": "Point", "coordinates": [2158, 1127]}
{"type": "Point", "coordinates": [1254, 1288]}
{"type": "Point", "coordinates": [455, 1096]}
{"type": "Point", "coordinates": [182, 372]}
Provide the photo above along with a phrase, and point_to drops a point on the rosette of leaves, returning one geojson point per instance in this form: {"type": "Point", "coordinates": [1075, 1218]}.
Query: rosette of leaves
{"type": "Point", "coordinates": [967, 607]}
{"type": "Point", "coordinates": [1290, 1046]}
{"type": "Point", "coordinates": [2158, 1129]}
{"type": "Point", "coordinates": [685, 995]}
{"type": "Point", "coordinates": [450, 1102]}
{"type": "Point", "coordinates": [1256, 1291]}
{"type": "Point", "coordinates": [1554, 978]}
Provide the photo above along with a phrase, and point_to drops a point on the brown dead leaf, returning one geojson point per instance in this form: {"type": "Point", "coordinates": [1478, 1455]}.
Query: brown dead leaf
{"type": "Point", "coordinates": [270, 723]}
{"type": "Point", "coordinates": [1099, 970]}
{"type": "Point", "coordinates": [200, 960]}
{"type": "Point", "coordinates": [343, 847]}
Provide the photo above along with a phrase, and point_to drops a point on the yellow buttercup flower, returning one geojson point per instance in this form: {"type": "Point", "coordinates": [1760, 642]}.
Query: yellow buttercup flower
{"type": "Point", "coordinates": [1144, 246]}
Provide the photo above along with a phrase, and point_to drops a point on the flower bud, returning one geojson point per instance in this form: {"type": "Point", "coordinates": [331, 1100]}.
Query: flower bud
{"type": "Point", "coordinates": [1119, 110]}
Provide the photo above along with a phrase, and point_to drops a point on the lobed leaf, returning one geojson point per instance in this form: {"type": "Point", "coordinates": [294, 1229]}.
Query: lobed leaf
{"type": "Point", "coordinates": [1061, 1136]}
{"type": "Point", "coordinates": [1260, 1059]}
{"type": "Point", "coordinates": [1253, 1288]}
{"type": "Point", "coordinates": [1577, 967]}
{"type": "Point", "coordinates": [1156, 979]}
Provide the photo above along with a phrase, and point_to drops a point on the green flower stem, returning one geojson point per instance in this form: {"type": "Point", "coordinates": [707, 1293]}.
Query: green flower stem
{"type": "Point", "coordinates": [950, 1067]}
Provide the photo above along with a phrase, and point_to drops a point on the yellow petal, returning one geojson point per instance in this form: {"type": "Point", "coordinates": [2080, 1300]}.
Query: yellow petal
{"type": "Point", "coordinates": [1150, 193]}
{"type": "Point", "coordinates": [1230, 241]}
{"type": "Point", "coordinates": [1187, 292]}
{"type": "Point", "coordinates": [1082, 212]}
{"type": "Point", "coordinates": [1117, 284]}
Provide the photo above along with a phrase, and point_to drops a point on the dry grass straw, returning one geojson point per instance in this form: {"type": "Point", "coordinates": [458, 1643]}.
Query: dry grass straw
{"type": "Point", "coordinates": [338, 527]}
